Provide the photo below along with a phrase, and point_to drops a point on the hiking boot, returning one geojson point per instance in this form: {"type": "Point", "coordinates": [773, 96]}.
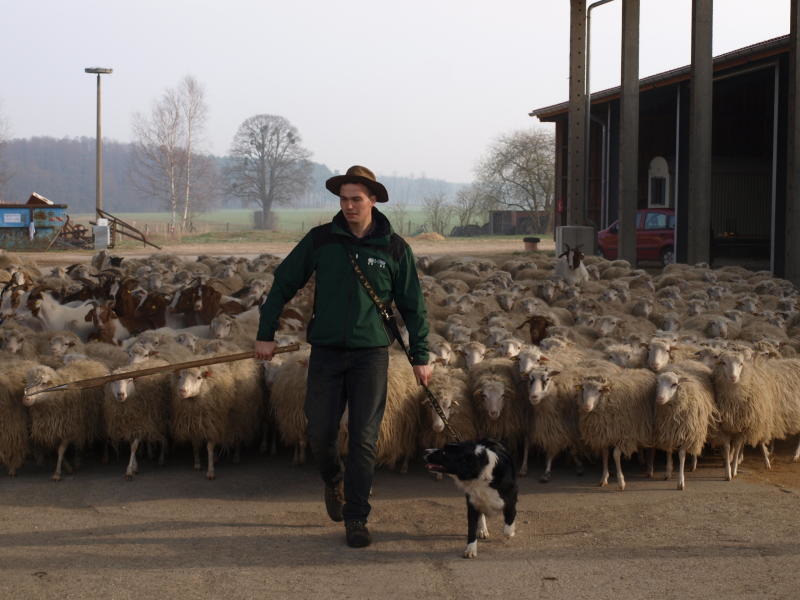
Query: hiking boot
{"type": "Point", "coordinates": [357, 534]}
{"type": "Point", "coordinates": [334, 500]}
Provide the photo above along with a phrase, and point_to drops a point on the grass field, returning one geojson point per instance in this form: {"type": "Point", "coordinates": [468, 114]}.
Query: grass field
{"type": "Point", "coordinates": [237, 219]}
{"type": "Point", "coordinates": [236, 225]}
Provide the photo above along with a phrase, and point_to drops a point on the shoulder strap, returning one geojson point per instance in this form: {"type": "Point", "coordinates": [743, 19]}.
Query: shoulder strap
{"type": "Point", "coordinates": [388, 317]}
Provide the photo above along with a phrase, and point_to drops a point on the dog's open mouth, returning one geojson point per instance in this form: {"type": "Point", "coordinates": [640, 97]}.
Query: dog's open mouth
{"type": "Point", "coordinates": [434, 467]}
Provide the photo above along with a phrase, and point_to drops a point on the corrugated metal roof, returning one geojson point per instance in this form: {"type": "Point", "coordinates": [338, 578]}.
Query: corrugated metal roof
{"type": "Point", "coordinates": [723, 61]}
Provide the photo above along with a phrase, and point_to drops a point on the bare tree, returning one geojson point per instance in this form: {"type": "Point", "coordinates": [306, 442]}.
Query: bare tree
{"type": "Point", "coordinates": [398, 214]}
{"type": "Point", "coordinates": [438, 212]}
{"type": "Point", "coordinates": [165, 151]}
{"type": "Point", "coordinates": [269, 165]}
{"type": "Point", "coordinates": [518, 172]}
{"type": "Point", "coordinates": [158, 152]}
{"type": "Point", "coordinates": [471, 204]}
{"type": "Point", "coordinates": [191, 99]}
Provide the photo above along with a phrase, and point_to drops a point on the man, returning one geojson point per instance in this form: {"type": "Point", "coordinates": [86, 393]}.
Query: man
{"type": "Point", "coordinates": [349, 342]}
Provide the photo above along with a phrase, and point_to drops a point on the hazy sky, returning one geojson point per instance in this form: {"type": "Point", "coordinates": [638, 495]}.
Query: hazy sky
{"type": "Point", "coordinates": [413, 87]}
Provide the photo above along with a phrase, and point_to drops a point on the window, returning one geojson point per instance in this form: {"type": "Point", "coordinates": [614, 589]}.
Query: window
{"type": "Point", "coordinates": [654, 220]}
{"type": "Point", "coordinates": [658, 183]}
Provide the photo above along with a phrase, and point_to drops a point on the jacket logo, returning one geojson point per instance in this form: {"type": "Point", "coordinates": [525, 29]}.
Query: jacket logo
{"type": "Point", "coordinates": [376, 261]}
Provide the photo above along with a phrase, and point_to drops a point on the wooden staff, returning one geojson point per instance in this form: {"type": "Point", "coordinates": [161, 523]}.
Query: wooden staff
{"type": "Point", "coordinates": [98, 381]}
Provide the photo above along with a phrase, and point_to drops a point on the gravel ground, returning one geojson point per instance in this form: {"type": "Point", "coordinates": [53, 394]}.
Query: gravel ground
{"type": "Point", "coordinates": [260, 531]}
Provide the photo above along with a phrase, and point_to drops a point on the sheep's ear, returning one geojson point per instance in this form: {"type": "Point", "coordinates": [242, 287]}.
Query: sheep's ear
{"type": "Point", "coordinates": [543, 359]}
{"type": "Point", "coordinates": [554, 373]}
{"type": "Point", "coordinates": [88, 316]}
{"type": "Point", "coordinates": [70, 344]}
{"type": "Point", "coordinates": [684, 380]}
{"type": "Point", "coordinates": [644, 344]}
{"type": "Point", "coordinates": [578, 387]}
{"type": "Point", "coordinates": [606, 388]}
{"type": "Point", "coordinates": [515, 358]}
{"type": "Point", "coordinates": [206, 374]}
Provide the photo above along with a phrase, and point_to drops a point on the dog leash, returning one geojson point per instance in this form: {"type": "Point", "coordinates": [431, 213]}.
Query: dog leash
{"type": "Point", "coordinates": [387, 315]}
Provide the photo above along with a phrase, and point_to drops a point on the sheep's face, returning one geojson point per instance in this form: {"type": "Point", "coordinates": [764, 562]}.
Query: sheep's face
{"type": "Point", "coordinates": [732, 365]}
{"type": "Point", "coordinates": [718, 328]}
{"type": "Point", "coordinates": [667, 387]}
{"type": "Point", "coordinates": [12, 342]}
{"type": "Point", "coordinates": [659, 355]}
{"type": "Point", "coordinates": [539, 380]}
{"type": "Point", "coordinates": [509, 348]}
{"type": "Point", "coordinates": [620, 355]}
{"type": "Point", "coordinates": [465, 304]}
{"type": "Point", "coordinates": [610, 295]}
{"type": "Point", "coordinates": [716, 292]}
{"type": "Point", "coordinates": [546, 291]}
{"type": "Point", "coordinates": [695, 307]}
{"type": "Point", "coordinates": [187, 339]}
{"type": "Point", "coordinates": [190, 383]}
{"type": "Point", "coordinates": [506, 301]}
{"type": "Point", "coordinates": [139, 352]}
{"type": "Point", "coordinates": [446, 402]}
{"type": "Point", "coordinates": [707, 356]}
{"type": "Point", "coordinates": [221, 327]}
{"type": "Point", "coordinates": [36, 379]}
{"type": "Point", "coordinates": [748, 305]}
{"type": "Point", "coordinates": [530, 305]}
{"type": "Point", "coordinates": [643, 308]}
{"type": "Point", "coordinates": [493, 397]}
{"type": "Point", "coordinates": [671, 322]}
{"type": "Point", "coordinates": [528, 358]}
{"type": "Point", "coordinates": [606, 325]}
{"type": "Point", "coordinates": [473, 353]}
{"type": "Point", "coordinates": [442, 351]}
{"type": "Point", "coordinates": [592, 391]}
{"type": "Point", "coordinates": [122, 389]}
{"type": "Point", "coordinates": [496, 334]}
{"type": "Point", "coordinates": [60, 345]}
{"type": "Point", "coordinates": [551, 343]}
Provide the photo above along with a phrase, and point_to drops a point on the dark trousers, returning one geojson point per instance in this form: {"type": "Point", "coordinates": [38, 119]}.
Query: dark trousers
{"type": "Point", "coordinates": [355, 379]}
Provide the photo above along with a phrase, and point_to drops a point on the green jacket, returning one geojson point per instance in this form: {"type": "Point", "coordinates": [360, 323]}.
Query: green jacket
{"type": "Point", "coordinates": [344, 315]}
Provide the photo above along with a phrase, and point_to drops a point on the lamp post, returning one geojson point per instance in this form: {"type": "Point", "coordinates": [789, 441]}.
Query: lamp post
{"type": "Point", "coordinates": [99, 167]}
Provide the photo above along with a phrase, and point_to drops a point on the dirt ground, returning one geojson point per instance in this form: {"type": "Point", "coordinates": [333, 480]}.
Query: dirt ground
{"type": "Point", "coordinates": [420, 247]}
{"type": "Point", "coordinates": [260, 531]}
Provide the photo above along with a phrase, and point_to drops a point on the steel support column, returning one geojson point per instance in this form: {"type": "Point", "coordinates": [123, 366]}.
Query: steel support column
{"type": "Point", "coordinates": [629, 132]}
{"type": "Point", "coordinates": [576, 145]}
{"type": "Point", "coordinates": [700, 115]}
{"type": "Point", "coordinates": [792, 271]}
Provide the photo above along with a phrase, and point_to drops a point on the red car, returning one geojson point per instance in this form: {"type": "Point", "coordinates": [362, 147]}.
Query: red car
{"type": "Point", "coordinates": [655, 236]}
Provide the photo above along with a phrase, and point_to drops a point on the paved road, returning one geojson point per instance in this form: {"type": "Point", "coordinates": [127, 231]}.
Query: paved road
{"type": "Point", "coordinates": [259, 531]}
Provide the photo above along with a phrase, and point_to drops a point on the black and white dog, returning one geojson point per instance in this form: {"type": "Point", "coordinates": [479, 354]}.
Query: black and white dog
{"type": "Point", "coordinates": [485, 472]}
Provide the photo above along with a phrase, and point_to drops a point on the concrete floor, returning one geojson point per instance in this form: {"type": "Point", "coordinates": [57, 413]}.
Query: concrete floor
{"type": "Point", "coordinates": [260, 531]}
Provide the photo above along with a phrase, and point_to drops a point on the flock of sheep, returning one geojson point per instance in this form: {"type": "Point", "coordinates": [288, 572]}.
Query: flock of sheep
{"type": "Point", "coordinates": [573, 355]}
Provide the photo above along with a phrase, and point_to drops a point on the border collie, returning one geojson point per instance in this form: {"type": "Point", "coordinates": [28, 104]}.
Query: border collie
{"type": "Point", "coordinates": [485, 472]}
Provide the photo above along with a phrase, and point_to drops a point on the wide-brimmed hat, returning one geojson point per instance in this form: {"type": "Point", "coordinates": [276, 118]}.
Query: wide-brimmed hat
{"type": "Point", "coordinates": [362, 175]}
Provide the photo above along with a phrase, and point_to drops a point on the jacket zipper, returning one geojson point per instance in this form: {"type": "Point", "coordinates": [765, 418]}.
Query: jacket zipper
{"type": "Point", "coordinates": [349, 297]}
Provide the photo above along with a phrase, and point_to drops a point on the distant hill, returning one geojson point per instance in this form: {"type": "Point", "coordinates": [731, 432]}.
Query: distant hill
{"type": "Point", "coordinates": [63, 170]}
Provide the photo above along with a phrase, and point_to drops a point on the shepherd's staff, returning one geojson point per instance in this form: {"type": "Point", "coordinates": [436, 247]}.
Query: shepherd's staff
{"type": "Point", "coordinates": [98, 381]}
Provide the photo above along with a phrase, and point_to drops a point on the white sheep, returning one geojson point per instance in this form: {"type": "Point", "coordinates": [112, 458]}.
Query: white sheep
{"type": "Point", "coordinates": [617, 413]}
{"type": "Point", "coordinates": [61, 418]}
{"type": "Point", "coordinates": [137, 410]}
{"type": "Point", "coordinates": [685, 412]}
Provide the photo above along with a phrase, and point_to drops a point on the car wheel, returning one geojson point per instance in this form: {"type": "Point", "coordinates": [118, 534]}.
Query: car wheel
{"type": "Point", "coordinates": [667, 256]}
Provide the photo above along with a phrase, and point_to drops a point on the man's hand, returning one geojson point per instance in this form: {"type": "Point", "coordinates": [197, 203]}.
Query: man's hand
{"type": "Point", "coordinates": [423, 373]}
{"type": "Point", "coordinates": [265, 350]}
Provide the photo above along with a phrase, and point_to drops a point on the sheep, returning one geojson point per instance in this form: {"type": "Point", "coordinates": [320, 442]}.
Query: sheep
{"type": "Point", "coordinates": [15, 430]}
{"type": "Point", "coordinates": [527, 359]}
{"type": "Point", "coordinates": [450, 387]}
{"type": "Point", "coordinates": [287, 399]}
{"type": "Point", "coordinates": [617, 413]}
{"type": "Point", "coordinates": [627, 356]}
{"type": "Point", "coordinates": [219, 404]}
{"type": "Point", "coordinates": [61, 418]}
{"type": "Point", "coordinates": [757, 404]}
{"type": "Point", "coordinates": [684, 412]}
{"type": "Point", "coordinates": [474, 352]}
{"type": "Point", "coordinates": [137, 410]}
{"type": "Point", "coordinates": [500, 412]}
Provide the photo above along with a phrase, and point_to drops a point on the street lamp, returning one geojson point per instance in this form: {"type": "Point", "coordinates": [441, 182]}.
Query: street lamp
{"type": "Point", "coordinates": [99, 182]}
